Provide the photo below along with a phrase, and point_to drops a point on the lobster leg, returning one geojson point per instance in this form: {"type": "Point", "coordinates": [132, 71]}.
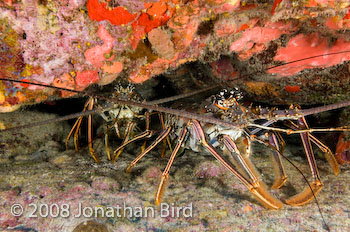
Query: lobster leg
{"type": "Point", "coordinates": [316, 185]}
{"type": "Point", "coordinates": [91, 149]}
{"type": "Point", "coordinates": [147, 117]}
{"type": "Point", "coordinates": [76, 133]}
{"type": "Point", "coordinates": [144, 134]}
{"type": "Point", "coordinates": [255, 186]}
{"type": "Point", "coordinates": [162, 154]}
{"type": "Point", "coordinates": [160, 138]}
{"type": "Point", "coordinates": [76, 127]}
{"type": "Point", "coordinates": [328, 154]}
{"type": "Point", "coordinates": [165, 174]}
{"type": "Point", "coordinates": [128, 130]}
{"type": "Point", "coordinates": [107, 144]}
{"type": "Point", "coordinates": [244, 166]}
{"type": "Point", "coordinates": [281, 176]}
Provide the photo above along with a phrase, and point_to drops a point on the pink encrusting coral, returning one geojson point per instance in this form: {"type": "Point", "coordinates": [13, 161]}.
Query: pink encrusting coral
{"type": "Point", "coordinates": [50, 44]}
{"type": "Point", "coordinates": [97, 54]}
{"type": "Point", "coordinates": [304, 46]}
{"type": "Point", "coordinates": [223, 69]}
{"type": "Point", "coordinates": [227, 6]}
{"type": "Point", "coordinates": [259, 36]}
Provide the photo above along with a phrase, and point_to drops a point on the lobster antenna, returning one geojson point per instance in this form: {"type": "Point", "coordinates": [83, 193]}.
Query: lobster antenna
{"type": "Point", "coordinates": [320, 109]}
{"type": "Point", "coordinates": [85, 93]}
{"type": "Point", "coordinates": [180, 96]}
{"type": "Point", "coordinates": [54, 120]}
{"type": "Point", "coordinates": [308, 58]}
{"type": "Point", "coordinates": [43, 85]}
{"type": "Point", "coordinates": [180, 113]}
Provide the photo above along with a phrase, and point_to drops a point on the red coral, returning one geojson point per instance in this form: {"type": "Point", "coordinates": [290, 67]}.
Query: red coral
{"type": "Point", "coordinates": [137, 35]}
{"type": "Point", "coordinates": [347, 16]}
{"type": "Point", "coordinates": [157, 9]}
{"type": "Point", "coordinates": [145, 20]}
{"type": "Point", "coordinates": [292, 89]}
{"type": "Point", "coordinates": [274, 6]}
{"type": "Point", "coordinates": [117, 16]}
{"type": "Point", "coordinates": [23, 84]}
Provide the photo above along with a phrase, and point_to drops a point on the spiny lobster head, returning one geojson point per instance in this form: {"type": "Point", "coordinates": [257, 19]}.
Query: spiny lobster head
{"type": "Point", "coordinates": [227, 105]}
{"type": "Point", "coordinates": [227, 99]}
{"type": "Point", "coordinates": [126, 92]}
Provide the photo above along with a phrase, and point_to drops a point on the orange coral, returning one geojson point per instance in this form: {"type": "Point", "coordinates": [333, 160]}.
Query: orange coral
{"type": "Point", "coordinates": [146, 71]}
{"type": "Point", "coordinates": [157, 15]}
{"type": "Point", "coordinates": [8, 2]}
{"type": "Point", "coordinates": [85, 78]}
{"type": "Point", "coordinates": [65, 81]}
{"type": "Point", "coordinates": [157, 9]}
{"type": "Point", "coordinates": [137, 35]}
{"type": "Point", "coordinates": [228, 6]}
{"type": "Point", "coordinates": [117, 16]}
{"type": "Point", "coordinates": [116, 67]}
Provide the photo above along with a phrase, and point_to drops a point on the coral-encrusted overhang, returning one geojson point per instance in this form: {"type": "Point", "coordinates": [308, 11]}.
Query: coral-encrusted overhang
{"type": "Point", "coordinates": [77, 43]}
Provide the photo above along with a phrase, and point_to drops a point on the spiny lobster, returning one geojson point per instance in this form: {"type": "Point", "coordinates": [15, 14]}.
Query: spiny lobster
{"type": "Point", "coordinates": [225, 121]}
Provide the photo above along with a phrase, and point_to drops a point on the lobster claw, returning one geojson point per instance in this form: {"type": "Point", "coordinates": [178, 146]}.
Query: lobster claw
{"type": "Point", "coordinates": [306, 195]}
{"type": "Point", "coordinates": [245, 172]}
{"type": "Point", "coordinates": [259, 190]}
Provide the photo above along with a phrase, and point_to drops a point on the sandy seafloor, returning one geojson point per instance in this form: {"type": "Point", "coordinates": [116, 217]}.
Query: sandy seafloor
{"type": "Point", "coordinates": [35, 169]}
